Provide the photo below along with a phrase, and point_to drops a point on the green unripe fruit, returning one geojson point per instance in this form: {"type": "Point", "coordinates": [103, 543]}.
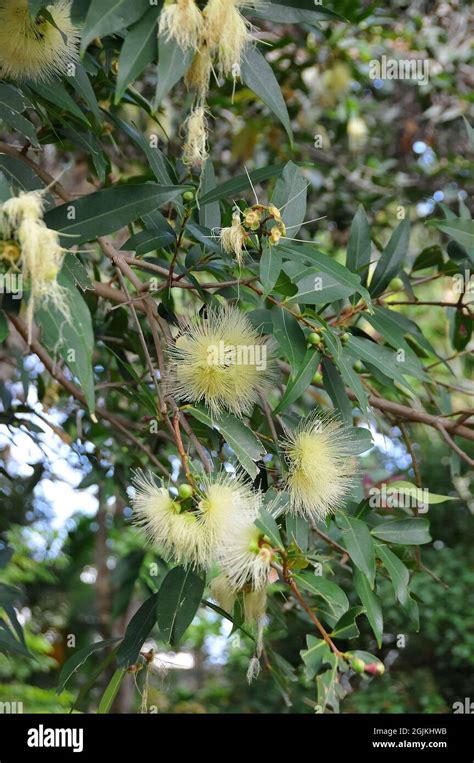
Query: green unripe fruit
{"type": "Point", "coordinates": [396, 284]}
{"type": "Point", "coordinates": [358, 366]}
{"type": "Point", "coordinates": [358, 665]}
{"type": "Point", "coordinates": [345, 336]}
{"type": "Point", "coordinates": [317, 378]}
{"type": "Point", "coordinates": [314, 338]}
{"type": "Point", "coordinates": [188, 196]}
{"type": "Point", "coordinates": [185, 491]}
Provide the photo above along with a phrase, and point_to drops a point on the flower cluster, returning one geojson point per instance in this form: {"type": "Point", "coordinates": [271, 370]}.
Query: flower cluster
{"type": "Point", "coordinates": [218, 36]}
{"type": "Point", "coordinates": [36, 249]}
{"type": "Point", "coordinates": [263, 220]}
{"type": "Point", "coordinates": [36, 48]}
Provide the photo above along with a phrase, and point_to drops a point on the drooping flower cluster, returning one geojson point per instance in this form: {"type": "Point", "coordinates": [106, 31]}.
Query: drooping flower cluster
{"type": "Point", "coordinates": [36, 48]}
{"type": "Point", "coordinates": [263, 220]}
{"type": "Point", "coordinates": [222, 361]}
{"type": "Point", "coordinates": [218, 36]}
{"type": "Point", "coordinates": [40, 254]}
{"type": "Point", "coordinates": [215, 524]}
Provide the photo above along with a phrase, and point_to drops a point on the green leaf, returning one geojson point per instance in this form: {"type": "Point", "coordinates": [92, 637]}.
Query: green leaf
{"type": "Point", "coordinates": [81, 84]}
{"type": "Point", "coordinates": [73, 339]}
{"type": "Point", "coordinates": [11, 106]}
{"type": "Point", "coordinates": [270, 266]}
{"type": "Point", "coordinates": [408, 532]}
{"type": "Point", "coordinates": [59, 96]}
{"type": "Point", "coordinates": [371, 604]}
{"type": "Point", "coordinates": [111, 691]}
{"type": "Point", "coordinates": [391, 259]}
{"type": "Point", "coordinates": [289, 196]}
{"type": "Point", "coordinates": [359, 543]}
{"type": "Point", "coordinates": [319, 289]}
{"type": "Point", "coordinates": [300, 380]}
{"type": "Point", "coordinates": [103, 212]}
{"type": "Point", "coordinates": [337, 392]}
{"type": "Point", "coordinates": [359, 246]}
{"type": "Point", "coordinates": [78, 658]}
{"type": "Point", "coordinates": [75, 270]}
{"type": "Point", "coordinates": [388, 361]}
{"type": "Point", "coordinates": [462, 231]}
{"type": "Point", "coordinates": [290, 337]}
{"type": "Point", "coordinates": [346, 627]}
{"type": "Point", "coordinates": [398, 572]}
{"type": "Point", "coordinates": [173, 62]}
{"type": "Point", "coordinates": [137, 631]}
{"type": "Point", "coordinates": [332, 594]}
{"type": "Point", "coordinates": [241, 183]}
{"type": "Point", "coordinates": [105, 17]}
{"type": "Point", "coordinates": [297, 531]}
{"type": "Point", "coordinates": [352, 379]}
{"type": "Point", "coordinates": [209, 212]}
{"type": "Point", "coordinates": [267, 524]}
{"type": "Point", "coordinates": [422, 496]}
{"type": "Point", "coordinates": [340, 274]}
{"type": "Point", "coordinates": [296, 13]}
{"type": "Point", "coordinates": [313, 656]}
{"type": "Point", "coordinates": [240, 437]}
{"type": "Point", "coordinates": [159, 164]}
{"type": "Point", "coordinates": [137, 51]}
{"type": "Point", "coordinates": [258, 75]}
{"type": "Point", "coordinates": [179, 598]}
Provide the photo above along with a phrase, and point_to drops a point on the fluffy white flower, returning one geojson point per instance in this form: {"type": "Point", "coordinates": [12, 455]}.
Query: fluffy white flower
{"type": "Point", "coordinates": [222, 361]}
{"type": "Point", "coordinates": [321, 465]}
{"type": "Point", "coordinates": [177, 533]}
{"type": "Point", "coordinates": [244, 557]}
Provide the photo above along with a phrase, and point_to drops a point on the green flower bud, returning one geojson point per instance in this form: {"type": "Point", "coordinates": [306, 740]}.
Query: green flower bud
{"type": "Point", "coordinates": [185, 491]}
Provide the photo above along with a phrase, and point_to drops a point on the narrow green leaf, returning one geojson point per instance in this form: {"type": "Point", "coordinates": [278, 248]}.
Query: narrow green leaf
{"type": "Point", "coordinates": [359, 543]}
{"type": "Point", "coordinates": [398, 572]}
{"type": "Point", "coordinates": [391, 259]}
{"type": "Point", "coordinates": [173, 62]}
{"type": "Point", "coordinates": [334, 386]}
{"type": "Point", "coordinates": [267, 524]}
{"type": "Point", "coordinates": [332, 594]}
{"type": "Point", "coordinates": [111, 691]}
{"type": "Point", "coordinates": [289, 335]}
{"type": "Point", "coordinates": [371, 604]}
{"type": "Point", "coordinates": [270, 266]}
{"type": "Point", "coordinates": [105, 17]}
{"type": "Point", "coordinates": [179, 598]}
{"type": "Point", "coordinates": [359, 246]}
{"type": "Point", "coordinates": [299, 381]}
{"type": "Point", "coordinates": [103, 212]}
{"type": "Point", "coordinates": [137, 51]}
{"type": "Point", "coordinates": [290, 197]}
{"type": "Point", "coordinates": [78, 658]}
{"type": "Point", "coordinates": [258, 76]}
{"type": "Point", "coordinates": [137, 631]}
{"type": "Point", "coordinates": [72, 339]}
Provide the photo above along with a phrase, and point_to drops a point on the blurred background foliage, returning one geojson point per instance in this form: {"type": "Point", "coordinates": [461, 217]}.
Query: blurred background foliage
{"type": "Point", "coordinates": [384, 144]}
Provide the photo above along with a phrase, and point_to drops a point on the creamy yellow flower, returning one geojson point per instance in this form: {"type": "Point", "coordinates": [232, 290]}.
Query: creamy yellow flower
{"type": "Point", "coordinates": [321, 466]}
{"type": "Point", "coordinates": [182, 21]}
{"type": "Point", "coordinates": [233, 238]}
{"type": "Point", "coordinates": [36, 48]}
{"type": "Point", "coordinates": [177, 533]}
{"type": "Point", "coordinates": [222, 361]}
{"type": "Point", "coordinates": [41, 255]}
{"type": "Point", "coordinates": [195, 146]}
{"type": "Point", "coordinates": [244, 557]}
{"type": "Point", "coordinates": [225, 499]}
